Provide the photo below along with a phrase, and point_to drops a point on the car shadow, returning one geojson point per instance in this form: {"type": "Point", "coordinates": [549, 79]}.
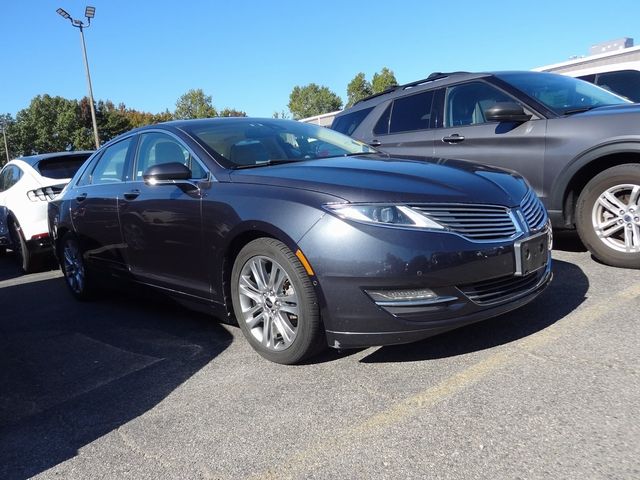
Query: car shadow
{"type": "Point", "coordinates": [566, 292]}
{"type": "Point", "coordinates": [9, 266]}
{"type": "Point", "coordinates": [568, 241]}
{"type": "Point", "coordinates": [10, 269]}
{"type": "Point", "coordinates": [72, 372]}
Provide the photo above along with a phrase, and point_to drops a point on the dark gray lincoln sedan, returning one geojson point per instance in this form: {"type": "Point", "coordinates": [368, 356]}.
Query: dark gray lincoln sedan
{"type": "Point", "coordinates": [303, 236]}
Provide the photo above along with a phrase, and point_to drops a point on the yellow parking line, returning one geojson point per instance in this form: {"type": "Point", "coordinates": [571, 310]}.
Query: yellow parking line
{"type": "Point", "coordinates": [311, 457]}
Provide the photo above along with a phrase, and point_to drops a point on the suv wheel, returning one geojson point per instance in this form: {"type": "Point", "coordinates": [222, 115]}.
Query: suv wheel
{"type": "Point", "coordinates": [608, 216]}
{"type": "Point", "coordinates": [275, 303]}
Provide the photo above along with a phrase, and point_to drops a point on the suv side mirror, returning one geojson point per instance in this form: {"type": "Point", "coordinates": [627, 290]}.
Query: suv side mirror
{"type": "Point", "coordinates": [506, 112]}
{"type": "Point", "coordinates": [166, 173]}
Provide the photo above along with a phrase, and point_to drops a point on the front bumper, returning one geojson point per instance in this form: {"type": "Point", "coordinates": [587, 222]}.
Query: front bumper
{"type": "Point", "coordinates": [476, 281]}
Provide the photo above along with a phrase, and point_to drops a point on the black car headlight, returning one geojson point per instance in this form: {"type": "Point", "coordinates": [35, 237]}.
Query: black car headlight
{"type": "Point", "coordinates": [383, 214]}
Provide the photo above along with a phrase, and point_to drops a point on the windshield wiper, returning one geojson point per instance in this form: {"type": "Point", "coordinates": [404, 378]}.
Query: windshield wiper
{"type": "Point", "coordinates": [360, 153]}
{"type": "Point", "coordinates": [266, 163]}
{"type": "Point", "coordinates": [580, 109]}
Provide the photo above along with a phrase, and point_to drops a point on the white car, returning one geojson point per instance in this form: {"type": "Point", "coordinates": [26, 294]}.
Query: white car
{"type": "Point", "coordinates": [26, 185]}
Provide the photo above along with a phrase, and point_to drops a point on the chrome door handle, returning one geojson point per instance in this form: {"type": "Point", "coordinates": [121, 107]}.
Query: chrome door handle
{"type": "Point", "coordinates": [455, 138]}
{"type": "Point", "coordinates": [132, 195]}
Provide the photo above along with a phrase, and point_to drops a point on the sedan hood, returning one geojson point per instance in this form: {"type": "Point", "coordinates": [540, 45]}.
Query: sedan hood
{"type": "Point", "coordinates": [393, 179]}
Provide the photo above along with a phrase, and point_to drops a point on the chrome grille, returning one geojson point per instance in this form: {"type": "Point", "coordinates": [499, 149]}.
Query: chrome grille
{"type": "Point", "coordinates": [476, 222]}
{"type": "Point", "coordinates": [503, 289]}
{"type": "Point", "coordinates": [533, 211]}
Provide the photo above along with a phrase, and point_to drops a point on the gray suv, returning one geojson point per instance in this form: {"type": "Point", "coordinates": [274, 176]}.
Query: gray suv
{"type": "Point", "coordinates": [576, 143]}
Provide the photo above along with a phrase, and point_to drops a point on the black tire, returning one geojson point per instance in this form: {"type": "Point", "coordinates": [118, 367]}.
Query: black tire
{"type": "Point", "coordinates": [26, 259]}
{"type": "Point", "coordinates": [607, 243]}
{"type": "Point", "coordinates": [276, 309]}
{"type": "Point", "coordinates": [77, 277]}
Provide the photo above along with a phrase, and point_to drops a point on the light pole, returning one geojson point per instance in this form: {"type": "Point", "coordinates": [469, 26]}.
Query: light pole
{"type": "Point", "coordinates": [89, 13]}
{"type": "Point", "coordinates": [4, 134]}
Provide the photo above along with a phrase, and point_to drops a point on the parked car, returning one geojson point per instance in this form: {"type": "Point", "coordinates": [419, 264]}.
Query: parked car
{"type": "Point", "coordinates": [625, 83]}
{"type": "Point", "coordinates": [577, 144]}
{"type": "Point", "coordinates": [306, 235]}
{"type": "Point", "coordinates": [26, 184]}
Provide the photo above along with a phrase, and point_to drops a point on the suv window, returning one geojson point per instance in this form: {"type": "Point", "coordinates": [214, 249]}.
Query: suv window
{"type": "Point", "coordinates": [61, 167]}
{"type": "Point", "coordinates": [411, 113]}
{"type": "Point", "coordinates": [466, 104]}
{"type": "Point", "coordinates": [622, 82]}
{"type": "Point", "coordinates": [348, 123]}
{"type": "Point", "coordinates": [158, 148]}
{"type": "Point", "coordinates": [110, 167]}
{"type": "Point", "coordinates": [9, 177]}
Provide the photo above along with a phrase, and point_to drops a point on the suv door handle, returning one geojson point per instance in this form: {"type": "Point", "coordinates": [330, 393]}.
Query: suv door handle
{"type": "Point", "coordinates": [132, 195]}
{"type": "Point", "coordinates": [375, 143]}
{"type": "Point", "coordinates": [82, 197]}
{"type": "Point", "coordinates": [455, 138]}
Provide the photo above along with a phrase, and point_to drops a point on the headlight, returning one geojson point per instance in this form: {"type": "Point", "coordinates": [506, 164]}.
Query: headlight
{"type": "Point", "coordinates": [391, 215]}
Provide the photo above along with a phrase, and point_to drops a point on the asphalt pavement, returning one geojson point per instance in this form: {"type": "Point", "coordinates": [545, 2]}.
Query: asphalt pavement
{"type": "Point", "coordinates": [133, 386]}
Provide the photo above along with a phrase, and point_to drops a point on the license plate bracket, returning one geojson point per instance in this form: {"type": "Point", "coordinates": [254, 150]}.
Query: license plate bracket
{"type": "Point", "coordinates": [531, 253]}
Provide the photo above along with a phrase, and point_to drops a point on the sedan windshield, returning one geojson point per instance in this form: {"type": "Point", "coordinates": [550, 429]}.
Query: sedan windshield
{"type": "Point", "coordinates": [561, 94]}
{"type": "Point", "coordinates": [239, 143]}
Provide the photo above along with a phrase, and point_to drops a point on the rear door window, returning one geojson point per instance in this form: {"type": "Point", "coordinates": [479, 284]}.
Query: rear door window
{"type": "Point", "coordinates": [349, 122]}
{"type": "Point", "coordinates": [110, 167]}
{"type": "Point", "coordinates": [411, 113]}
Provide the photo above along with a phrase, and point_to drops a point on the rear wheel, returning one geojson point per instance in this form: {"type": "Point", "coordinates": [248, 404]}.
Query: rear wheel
{"type": "Point", "coordinates": [26, 259]}
{"type": "Point", "coordinates": [275, 303]}
{"type": "Point", "coordinates": [74, 269]}
{"type": "Point", "coordinates": [608, 216]}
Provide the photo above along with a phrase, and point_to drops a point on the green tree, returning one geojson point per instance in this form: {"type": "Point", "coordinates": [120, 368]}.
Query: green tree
{"type": "Point", "coordinates": [194, 104]}
{"type": "Point", "coordinates": [232, 112]}
{"type": "Point", "coordinates": [358, 89]}
{"type": "Point", "coordinates": [48, 124]}
{"type": "Point", "coordinates": [312, 100]}
{"type": "Point", "coordinates": [282, 114]}
{"type": "Point", "coordinates": [383, 80]}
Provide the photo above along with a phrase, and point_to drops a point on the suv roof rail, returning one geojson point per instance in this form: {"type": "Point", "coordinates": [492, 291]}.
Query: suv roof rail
{"type": "Point", "coordinates": [392, 88]}
{"type": "Point", "coordinates": [432, 77]}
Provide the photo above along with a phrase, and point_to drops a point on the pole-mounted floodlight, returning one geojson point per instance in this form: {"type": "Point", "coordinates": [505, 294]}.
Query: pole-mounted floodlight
{"type": "Point", "coordinates": [89, 12]}
{"type": "Point", "coordinates": [63, 13]}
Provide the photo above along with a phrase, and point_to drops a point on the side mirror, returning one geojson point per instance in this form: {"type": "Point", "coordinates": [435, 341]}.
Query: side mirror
{"type": "Point", "coordinates": [506, 112]}
{"type": "Point", "coordinates": [166, 173]}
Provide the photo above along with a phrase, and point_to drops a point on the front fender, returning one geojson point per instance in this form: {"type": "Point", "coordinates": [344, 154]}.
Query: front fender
{"type": "Point", "coordinates": [568, 173]}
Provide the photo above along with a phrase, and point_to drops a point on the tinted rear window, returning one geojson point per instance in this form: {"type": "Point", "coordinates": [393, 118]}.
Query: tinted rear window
{"type": "Point", "coordinates": [623, 82]}
{"type": "Point", "coordinates": [411, 113]}
{"type": "Point", "coordinates": [61, 167]}
{"type": "Point", "coordinates": [348, 123]}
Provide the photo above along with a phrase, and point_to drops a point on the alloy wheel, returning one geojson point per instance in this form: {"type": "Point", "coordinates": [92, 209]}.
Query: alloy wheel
{"type": "Point", "coordinates": [269, 303]}
{"type": "Point", "coordinates": [73, 267]}
{"type": "Point", "coordinates": [616, 218]}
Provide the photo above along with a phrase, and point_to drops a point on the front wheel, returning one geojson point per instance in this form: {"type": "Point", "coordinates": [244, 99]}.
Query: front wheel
{"type": "Point", "coordinates": [608, 216]}
{"type": "Point", "coordinates": [275, 303]}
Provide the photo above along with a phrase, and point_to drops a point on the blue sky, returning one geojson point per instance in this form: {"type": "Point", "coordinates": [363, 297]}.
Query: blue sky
{"type": "Point", "coordinates": [249, 54]}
